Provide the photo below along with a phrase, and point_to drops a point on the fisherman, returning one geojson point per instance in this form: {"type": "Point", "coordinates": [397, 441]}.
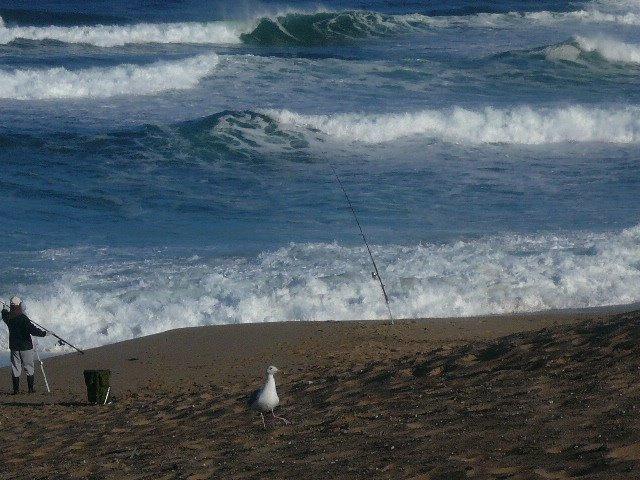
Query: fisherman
{"type": "Point", "coordinates": [20, 343]}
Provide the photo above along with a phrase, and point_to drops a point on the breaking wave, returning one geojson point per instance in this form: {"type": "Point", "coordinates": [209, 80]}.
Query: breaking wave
{"type": "Point", "coordinates": [521, 125]}
{"type": "Point", "coordinates": [581, 49]}
{"type": "Point", "coordinates": [252, 133]}
{"type": "Point", "coordinates": [127, 79]}
{"type": "Point", "coordinates": [117, 35]}
{"type": "Point", "coordinates": [299, 28]}
{"type": "Point", "coordinates": [326, 28]}
{"type": "Point", "coordinates": [106, 296]}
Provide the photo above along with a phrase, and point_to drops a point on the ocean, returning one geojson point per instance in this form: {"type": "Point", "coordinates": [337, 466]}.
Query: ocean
{"type": "Point", "coordinates": [169, 164]}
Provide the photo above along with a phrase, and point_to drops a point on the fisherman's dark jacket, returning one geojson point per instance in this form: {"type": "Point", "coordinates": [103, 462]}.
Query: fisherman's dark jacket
{"type": "Point", "coordinates": [20, 330]}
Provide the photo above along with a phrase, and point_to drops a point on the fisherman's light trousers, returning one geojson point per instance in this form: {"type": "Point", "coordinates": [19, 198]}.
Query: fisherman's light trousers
{"type": "Point", "coordinates": [21, 359]}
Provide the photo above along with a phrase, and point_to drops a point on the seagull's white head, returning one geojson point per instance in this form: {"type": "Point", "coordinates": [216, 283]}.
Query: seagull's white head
{"type": "Point", "coordinates": [271, 370]}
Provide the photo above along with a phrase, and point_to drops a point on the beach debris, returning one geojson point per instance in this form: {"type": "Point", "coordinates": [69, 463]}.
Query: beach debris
{"type": "Point", "coordinates": [265, 399]}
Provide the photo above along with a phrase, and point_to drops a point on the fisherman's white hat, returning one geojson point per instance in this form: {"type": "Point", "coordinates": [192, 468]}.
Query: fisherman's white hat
{"type": "Point", "coordinates": [15, 301]}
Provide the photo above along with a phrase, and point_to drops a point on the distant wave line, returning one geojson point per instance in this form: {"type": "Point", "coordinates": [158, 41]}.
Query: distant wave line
{"type": "Point", "coordinates": [118, 35]}
{"type": "Point", "coordinates": [302, 28]}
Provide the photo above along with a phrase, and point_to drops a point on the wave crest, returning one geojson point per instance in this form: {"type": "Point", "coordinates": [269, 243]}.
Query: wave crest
{"type": "Point", "coordinates": [126, 79]}
{"type": "Point", "coordinates": [610, 49]}
{"type": "Point", "coordinates": [282, 131]}
{"type": "Point", "coordinates": [585, 50]}
{"type": "Point", "coordinates": [243, 132]}
{"type": "Point", "coordinates": [323, 28]}
{"type": "Point", "coordinates": [521, 125]}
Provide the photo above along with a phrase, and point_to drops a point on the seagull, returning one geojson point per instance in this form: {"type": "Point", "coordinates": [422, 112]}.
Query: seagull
{"type": "Point", "coordinates": [265, 399]}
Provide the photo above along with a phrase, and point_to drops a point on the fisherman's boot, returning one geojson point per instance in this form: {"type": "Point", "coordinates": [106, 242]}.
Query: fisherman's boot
{"type": "Point", "coordinates": [16, 384]}
{"type": "Point", "coordinates": [30, 379]}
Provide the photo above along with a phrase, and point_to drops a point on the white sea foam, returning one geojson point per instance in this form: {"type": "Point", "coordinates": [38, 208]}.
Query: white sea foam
{"type": "Point", "coordinates": [607, 48]}
{"type": "Point", "coordinates": [610, 49]}
{"type": "Point", "coordinates": [522, 125]}
{"type": "Point", "coordinates": [119, 299]}
{"type": "Point", "coordinates": [564, 52]}
{"type": "Point", "coordinates": [126, 79]}
{"type": "Point", "coordinates": [114, 35]}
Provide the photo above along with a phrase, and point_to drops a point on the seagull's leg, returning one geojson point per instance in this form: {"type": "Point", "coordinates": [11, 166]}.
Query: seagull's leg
{"type": "Point", "coordinates": [286, 422]}
{"type": "Point", "coordinates": [263, 424]}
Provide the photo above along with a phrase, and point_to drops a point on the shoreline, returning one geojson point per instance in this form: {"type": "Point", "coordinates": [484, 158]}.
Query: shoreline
{"type": "Point", "coordinates": [167, 359]}
{"type": "Point", "coordinates": [559, 312]}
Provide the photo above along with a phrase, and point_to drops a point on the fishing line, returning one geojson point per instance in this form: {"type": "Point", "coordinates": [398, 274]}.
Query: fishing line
{"type": "Point", "coordinates": [376, 273]}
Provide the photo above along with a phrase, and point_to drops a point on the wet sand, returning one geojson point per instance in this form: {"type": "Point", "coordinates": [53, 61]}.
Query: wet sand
{"type": "Point", "coordinates": [551, 395]}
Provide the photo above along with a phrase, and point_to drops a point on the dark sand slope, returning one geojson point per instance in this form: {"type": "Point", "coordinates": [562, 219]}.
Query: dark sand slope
{"type": "Point", "coordinates": [444, 399]}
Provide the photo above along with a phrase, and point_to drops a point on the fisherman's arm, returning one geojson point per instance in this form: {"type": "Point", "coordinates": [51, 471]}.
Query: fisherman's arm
{"type": "Point", "coordinates": [35, 331]}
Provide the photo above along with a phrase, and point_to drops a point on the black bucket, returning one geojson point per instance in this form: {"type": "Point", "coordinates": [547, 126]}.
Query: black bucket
{"type": "Point", "coordinates": [97, 382]}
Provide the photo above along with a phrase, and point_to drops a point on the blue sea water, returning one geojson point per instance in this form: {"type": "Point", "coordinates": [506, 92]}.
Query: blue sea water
{"type": "Point", "coordinates": [168, 164]}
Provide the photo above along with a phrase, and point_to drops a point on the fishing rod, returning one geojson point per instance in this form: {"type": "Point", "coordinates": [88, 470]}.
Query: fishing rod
{"type": "Point", "coordinates": [376, 273]}
{"type": "Point", "coordinates": [61, 340]}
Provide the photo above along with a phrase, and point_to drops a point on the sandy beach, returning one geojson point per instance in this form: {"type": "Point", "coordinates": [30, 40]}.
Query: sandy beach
{"type": "Point", "coordinates": [537, 396]}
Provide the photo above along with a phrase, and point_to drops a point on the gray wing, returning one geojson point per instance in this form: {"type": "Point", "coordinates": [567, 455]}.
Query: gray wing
{"type": "Point", "coordinates": [253, 398]}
